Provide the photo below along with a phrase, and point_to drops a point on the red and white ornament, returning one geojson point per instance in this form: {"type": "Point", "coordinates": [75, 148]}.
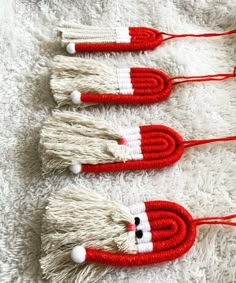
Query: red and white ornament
{"type": "Point", "coordinates": [86, 145]}
{"type": "Point", "coordinates": [82, 38]}
{"type": "Point", "coordinates": [85, 236]}
{"type": "Point", "coordinates": [82, 82]}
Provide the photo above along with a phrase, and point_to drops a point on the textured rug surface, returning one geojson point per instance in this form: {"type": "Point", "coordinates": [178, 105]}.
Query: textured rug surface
{"type": "Point", "coordinates": [203, 181]}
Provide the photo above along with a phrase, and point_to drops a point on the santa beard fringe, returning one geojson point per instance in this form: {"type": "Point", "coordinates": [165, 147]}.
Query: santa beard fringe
{"type": "Point", "coordinates": [68, 137]}
{"type": "Point", "coordinates": [81, 217]}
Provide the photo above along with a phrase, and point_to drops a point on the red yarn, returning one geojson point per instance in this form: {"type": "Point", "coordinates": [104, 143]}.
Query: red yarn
{"type": "Point", "coordinates": [216, 220]}
{"type": "Point", "coordinates": [213, 34]}
{"type": "Point", "coordinates": [150, 86]}
{"type": "Point", "coordinates": [191, 143]}
{"type": "Point", "coordinates": [215, 77]}
{"type": "Point", "coordinates": [142, 38]}
{"type": "Point", "coordinates": [168, 244]}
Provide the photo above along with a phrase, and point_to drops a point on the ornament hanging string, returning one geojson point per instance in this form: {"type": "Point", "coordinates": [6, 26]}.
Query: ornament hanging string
{"type": "Point", "coordinates": [215, 77]}
{"type": "Point", "coordinates": [216, 220]}
{"type": "Point", "coordinates": [213, 34]}
{"type": "Point", "coordinates": [191, 143]}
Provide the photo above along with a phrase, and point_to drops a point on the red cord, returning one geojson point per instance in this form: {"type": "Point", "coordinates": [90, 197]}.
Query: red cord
{"type": "Point", "coordinates": [215, 77]}
{"type": "Point", "coordinates": [171, 35]}
{"type": "Point", "coordinates": [191, 143]}
{"type": "Point", "coordinates": [216, 220]}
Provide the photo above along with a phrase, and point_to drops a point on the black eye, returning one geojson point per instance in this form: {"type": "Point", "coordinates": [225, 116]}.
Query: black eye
{"type": "Point", "coordinates": [139, 234]}
{"type": "Point", "coordinates": [137, 221]}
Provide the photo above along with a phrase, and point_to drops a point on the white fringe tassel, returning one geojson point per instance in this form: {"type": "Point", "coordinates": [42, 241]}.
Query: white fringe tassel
{"type": "Point", "coordinates": [77, 33]}
{"type": "Point", "coordinates": [80, 217]}
{"type": "Point", "coordinates": [71, 74]}
{"type": "Point", "coordinates": [68, 138]}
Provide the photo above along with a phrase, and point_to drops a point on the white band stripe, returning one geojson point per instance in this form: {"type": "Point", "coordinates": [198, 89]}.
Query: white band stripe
{"type": "Point", "coordinates": [145, 227]}
{"type": "Point", "coordinates": [133, 138]}
{"type": "Point", "coordinates": [132, 130]}
{"type": "Point", "coordinates": [137, 208]}
{"type": "Point", "coordinates": [122, 35]}
{"type": "Point", "coordinates": [123, 71]}
{"type": "Point", "coordinates": [137, 156]}
{"type": "Point", "coordinates": [145, 247]}
{"type": "Point", "coordinates": [124, 81]}
{"type": "Point", "coordinates": [146, 238]}
{"type": "Point", "coordinates": [142, 216]}
{"type": "Point", "coordinates": [135, 150]}
{"type": "Point", "coordinates": [134, 143]}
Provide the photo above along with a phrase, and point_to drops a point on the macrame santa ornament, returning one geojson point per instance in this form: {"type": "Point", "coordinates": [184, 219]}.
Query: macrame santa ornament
{"type": "Point", "coordinates": [82, 82]}
{"type": "Point", "coordinates": [77, 142]}
{"type": "Point", "coordinates": [81, 38]}
{"type": "Point", "coordinates": [84, 236]}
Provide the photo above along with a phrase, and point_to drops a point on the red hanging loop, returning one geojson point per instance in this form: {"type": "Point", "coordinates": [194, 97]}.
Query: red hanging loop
{"type": "Point", "coordinates": [213, 34]}
{"type": "Point", "coordinates": [216, 220]}
{"type": "Point", "coordinates": [191, 143]}
{"type": "Point", "coordinates": [215, 77]}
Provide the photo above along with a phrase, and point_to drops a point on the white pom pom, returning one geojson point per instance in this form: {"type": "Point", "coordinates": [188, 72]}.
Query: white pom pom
{"type": "Point", "coordinates": [76, 168]}
{"type": "Point", "coordinates": [75, 97]}
{"type": "Point", "coordinates": [78, 254]}
{"type": "Point", "coordinates": [70, 48]}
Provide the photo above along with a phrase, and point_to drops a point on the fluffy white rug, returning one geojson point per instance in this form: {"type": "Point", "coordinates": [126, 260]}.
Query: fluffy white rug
{"type": "Point", "coordinates": [203, 181]}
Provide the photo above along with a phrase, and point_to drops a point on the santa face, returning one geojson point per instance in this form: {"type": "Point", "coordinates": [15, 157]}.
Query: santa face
{"type": "Point", "coordinates": [163, 231]}
{"type": "Point", "coordinates": [158, 227]}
